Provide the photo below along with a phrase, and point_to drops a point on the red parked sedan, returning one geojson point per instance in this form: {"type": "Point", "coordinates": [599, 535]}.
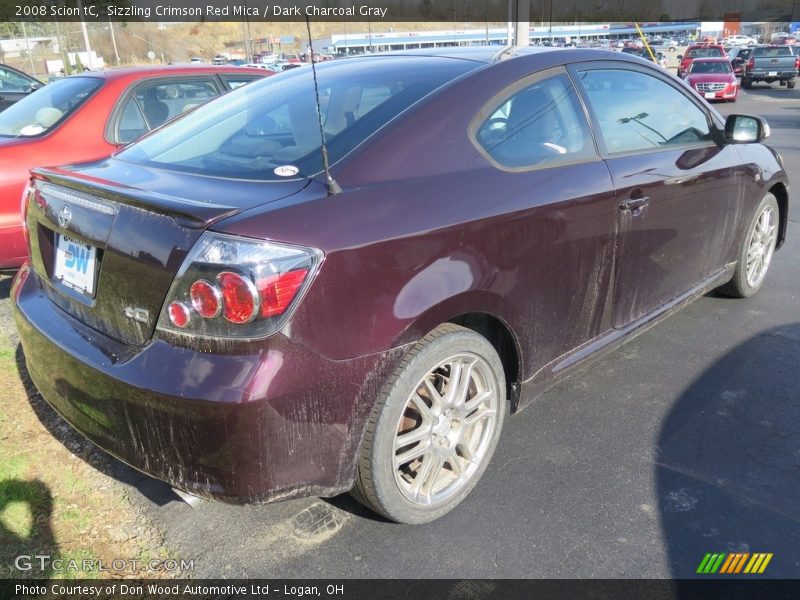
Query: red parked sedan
{"type": "Point", "coordinates": [87, 117]}
{"type": "Point", "coordinates": [713, 78]}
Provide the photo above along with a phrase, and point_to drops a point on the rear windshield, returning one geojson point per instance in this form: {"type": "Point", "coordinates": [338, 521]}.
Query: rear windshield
{"type": "Point", "coordinates": [269, 129]}
{"type": "Point", "coordinates": [703, 52]}
{"type": "Point", "coordinates": [707, 66]}
{"type": "Point", "coordinates": [775, 51]}
{"type": "Point", "coordinates": [44, 109]}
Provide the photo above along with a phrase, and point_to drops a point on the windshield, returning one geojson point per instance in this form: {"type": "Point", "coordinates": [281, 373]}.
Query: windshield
{"type": "Point", "coordinates": [707, 66]}
{"type": "Point", "coordinates": [269, 129]}
{"type": "Point", "coordinates": [45, 108]}
{"type": "Point", "coordinates": [703, 52]}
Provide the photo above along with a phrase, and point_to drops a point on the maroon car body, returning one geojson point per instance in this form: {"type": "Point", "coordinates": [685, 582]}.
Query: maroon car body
{"type": "Point", "coordinates": [552, 263]}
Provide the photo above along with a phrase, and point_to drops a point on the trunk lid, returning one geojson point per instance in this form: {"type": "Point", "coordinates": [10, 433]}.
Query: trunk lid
{"type": "Point", "coordinates": [135, 236]}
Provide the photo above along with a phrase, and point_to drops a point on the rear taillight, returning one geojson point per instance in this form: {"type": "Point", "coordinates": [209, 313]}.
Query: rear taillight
{"type": "Point", "coordinates": [23, 208]}
{"type": "Point", "coordinates": [234, 287]}
{"type": "Point", "coordinates": [239, 297]}
{"type": "Point", "coordinates": [19, 280]}
{"type": "Point", "coordinates": [751, 64]}
{"type": "Point", "coordinates": [797, 62]}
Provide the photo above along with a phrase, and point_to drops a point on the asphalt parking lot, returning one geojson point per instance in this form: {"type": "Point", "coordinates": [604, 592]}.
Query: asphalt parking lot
{"type": "Point", "coordinates": [682, 442]}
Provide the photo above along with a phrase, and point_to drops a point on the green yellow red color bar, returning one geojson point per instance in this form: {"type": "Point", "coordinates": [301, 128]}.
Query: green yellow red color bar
{"type": "Point", "coordinates": [734, 562]}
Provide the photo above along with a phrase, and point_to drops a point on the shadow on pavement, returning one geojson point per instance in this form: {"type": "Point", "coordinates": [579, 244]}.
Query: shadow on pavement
{"type": "Point", "coordinates": [20, 499]}
{"type": "Point", "coordinates": [154, 490]}
{"type": "Point", "coordinates": [728, 465]}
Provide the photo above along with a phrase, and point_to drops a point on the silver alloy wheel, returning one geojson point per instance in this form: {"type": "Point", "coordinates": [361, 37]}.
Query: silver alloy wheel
{"type": "Point", "coordinates": [761, 246]}
{"type": "Point", "coordinates": [445, 429]}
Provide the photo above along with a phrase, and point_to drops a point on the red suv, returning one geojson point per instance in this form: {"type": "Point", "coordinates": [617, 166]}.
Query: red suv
{"type": "Point", "coordinates": [698, 51]}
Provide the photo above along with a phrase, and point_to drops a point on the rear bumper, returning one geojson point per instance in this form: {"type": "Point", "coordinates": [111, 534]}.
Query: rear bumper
{"type": "Point", "coordinates": [273, 422]}
{"type": "Point", "coordinates": [765, 75]}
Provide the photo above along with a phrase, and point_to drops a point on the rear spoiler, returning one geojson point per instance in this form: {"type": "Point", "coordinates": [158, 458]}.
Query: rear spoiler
{"type": "Point", "coordinates": [189, 213]}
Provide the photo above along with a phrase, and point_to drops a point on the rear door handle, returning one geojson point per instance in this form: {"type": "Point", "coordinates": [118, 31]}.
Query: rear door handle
{"type": "Point", "coordinates": [635, 204]}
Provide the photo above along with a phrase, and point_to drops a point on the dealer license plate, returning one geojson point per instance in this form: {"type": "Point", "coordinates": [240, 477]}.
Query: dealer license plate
{"type": "Point", "coordinates": [75, 264]}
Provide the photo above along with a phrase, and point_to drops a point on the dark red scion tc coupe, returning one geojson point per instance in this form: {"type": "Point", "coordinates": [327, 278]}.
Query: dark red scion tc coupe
{"type": "Point", "coordinates": [208, 306]}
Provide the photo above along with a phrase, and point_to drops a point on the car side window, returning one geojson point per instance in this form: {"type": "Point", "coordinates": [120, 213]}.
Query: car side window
{"type": "Point", "coordinates": [636, 111]}
{"type": "Point", "coordinates": [131, 123]}
{"type": "Point", "coordinates": [13, 82]}
{"type": "Point", "coordinates": [237, 81]}
{"type": "Point", "coordinates": [540, 124]}
{"type": "Point", "coordinates": [156, 102]}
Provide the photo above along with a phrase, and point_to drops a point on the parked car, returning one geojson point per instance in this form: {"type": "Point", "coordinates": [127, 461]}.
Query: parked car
{"type": "Point", "coordinates": [87, 117]}
{"type": "Point", "coordinates": [770, 64]}
{"type": "Point", "coordinates": [697, 51]}
{"type": "Point", "coordinates": [15, 85]}
{"type": "Point", "coordinates": [713, 78]}
{"type": "Point", "coordinates": [225, 314]}
{"type": "Point", "coordinates": [738, 56]}
{"type": "Point", "coordinates": [739, 40]}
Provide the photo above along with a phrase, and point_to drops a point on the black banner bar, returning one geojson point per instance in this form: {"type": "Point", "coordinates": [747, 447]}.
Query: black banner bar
{"type": "Point", "coordinates": [452, 11]}
{"type": "Point", "coordinates": [744, 588]}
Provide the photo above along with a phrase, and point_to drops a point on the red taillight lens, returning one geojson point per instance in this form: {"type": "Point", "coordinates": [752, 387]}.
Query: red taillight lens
{"type": "Point", "coordinates": [240, 297]}
{"type": "Point", "coordinates": [179, 314]}
{"type": "Point", "coordinates": [751, 64]}
{"type": "Point", "coordinates": [232, 287]}
{"type": "Point", "coordinates": [23, 209]}
{"type": "Point", "coordinates": [278, 291]}
{"type": "Point", "coordinates": [206, 298]}
{"type": "Point", "coordinates": [797, 62]}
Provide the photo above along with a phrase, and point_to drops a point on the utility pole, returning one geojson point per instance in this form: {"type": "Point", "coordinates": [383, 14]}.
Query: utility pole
{"type": "Point", "coordinates": [85, 38]}
{"type": "Point", "coordinates": [28, 48]}
{"type": "Point", "coordinates": [510, 24]}
{"type": "Point", "coordinates": [113, 39]}
{"type": "Point", "coordinates": [522, 38]}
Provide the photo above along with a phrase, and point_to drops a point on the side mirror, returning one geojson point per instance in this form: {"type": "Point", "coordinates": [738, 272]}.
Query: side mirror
{"type": "Point", "coordinates": [680, 56]}
{"type": "Point", "coordinates": [32, 88]}
{"type": "Point", "coordinates": [745, 129]}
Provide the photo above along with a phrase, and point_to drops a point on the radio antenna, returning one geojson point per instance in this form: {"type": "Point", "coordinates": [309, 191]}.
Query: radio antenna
{"type": "Point", "coordinates": [333, 187]}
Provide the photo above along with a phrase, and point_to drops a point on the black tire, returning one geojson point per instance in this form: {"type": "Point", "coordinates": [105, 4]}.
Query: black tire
{"type": "Point", "coordinates": [738, 286]}
{"type": "Point", "coordinates": [747, 83]}
{"type": "Point", "coordinates": [790, 84]}
{"type": "Point", "coordinates": [376, 485]}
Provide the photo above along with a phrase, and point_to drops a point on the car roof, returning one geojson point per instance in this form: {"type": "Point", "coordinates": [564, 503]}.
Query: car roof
{"type": "Point", "coordinates": [490, 54]}
{"type": "Point", "coordinates": [162, 70]}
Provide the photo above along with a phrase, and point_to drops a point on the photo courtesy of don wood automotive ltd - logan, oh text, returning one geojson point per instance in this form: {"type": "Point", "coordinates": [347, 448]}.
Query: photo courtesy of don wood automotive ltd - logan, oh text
{"type": "Point", "coordinates": [388, 299]}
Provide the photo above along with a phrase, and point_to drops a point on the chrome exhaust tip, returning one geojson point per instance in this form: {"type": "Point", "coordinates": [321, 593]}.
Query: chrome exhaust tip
{"type": "Point", "coordinates": [190, 499]}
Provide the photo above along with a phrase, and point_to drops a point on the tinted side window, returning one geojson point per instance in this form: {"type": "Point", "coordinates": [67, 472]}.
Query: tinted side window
{"type": "Point", "coordinates": [539, 124]}
{"type": "Point", "coordinates": [636, 111]}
